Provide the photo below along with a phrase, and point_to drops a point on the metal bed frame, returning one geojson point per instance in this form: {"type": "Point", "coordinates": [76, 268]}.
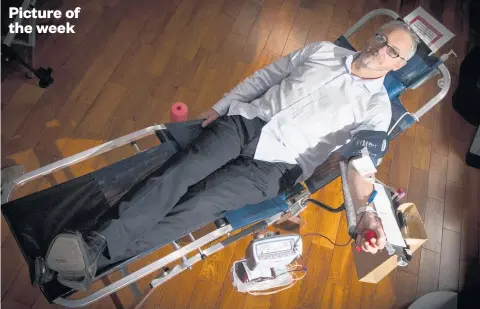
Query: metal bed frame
{"type": "Point", "coordinates": [296, 204]}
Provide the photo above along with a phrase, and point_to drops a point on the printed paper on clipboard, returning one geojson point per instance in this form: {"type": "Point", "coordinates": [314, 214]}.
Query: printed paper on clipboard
{"type": "Point", "coordinates": [384, 209]}
{"type": "Point", "coordinates": [433, 33]}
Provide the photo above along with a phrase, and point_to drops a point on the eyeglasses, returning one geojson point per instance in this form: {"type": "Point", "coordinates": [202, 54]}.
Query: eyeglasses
{"type": "Point", "coordinates": [391, 51]}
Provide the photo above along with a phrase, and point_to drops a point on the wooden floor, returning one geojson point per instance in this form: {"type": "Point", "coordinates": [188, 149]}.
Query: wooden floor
{"type": "Point", "coordinates": [130, 60]}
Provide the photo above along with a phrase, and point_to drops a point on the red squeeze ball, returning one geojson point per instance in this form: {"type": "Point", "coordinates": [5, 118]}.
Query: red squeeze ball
{"type": "Point", "coordinates": [367, 235]}
{"type": "Point", "coordinates": [178, 112]}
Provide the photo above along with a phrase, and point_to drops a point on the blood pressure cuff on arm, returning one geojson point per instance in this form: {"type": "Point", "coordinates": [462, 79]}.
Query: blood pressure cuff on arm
{"type": "Point", "coordinates": [375, 143]}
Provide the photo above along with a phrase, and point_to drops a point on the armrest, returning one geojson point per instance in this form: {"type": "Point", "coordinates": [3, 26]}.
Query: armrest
{"type": "Point", "coordinates": [347, 197]}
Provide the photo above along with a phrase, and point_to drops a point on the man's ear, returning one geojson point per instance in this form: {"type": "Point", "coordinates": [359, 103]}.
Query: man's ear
{"type": "Point", "coordinates": [400, 65]}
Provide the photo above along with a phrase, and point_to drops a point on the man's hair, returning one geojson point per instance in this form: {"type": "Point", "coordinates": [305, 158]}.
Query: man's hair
{"type": "Point", "coordinates": [396, 24]}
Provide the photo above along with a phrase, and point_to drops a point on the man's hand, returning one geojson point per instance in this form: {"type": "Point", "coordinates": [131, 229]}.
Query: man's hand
{"type": "Point", "coordinates": [209, 116]}
{"type": "Point", "coordinates": [369, 221]}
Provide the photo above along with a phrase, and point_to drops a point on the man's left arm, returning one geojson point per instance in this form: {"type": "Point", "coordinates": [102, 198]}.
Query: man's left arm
{"type": "Point", "coordinates": [370, 139]}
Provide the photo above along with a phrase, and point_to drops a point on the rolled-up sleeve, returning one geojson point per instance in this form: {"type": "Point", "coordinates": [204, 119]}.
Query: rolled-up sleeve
{"type": "Point", "coordinates": [262, 80]}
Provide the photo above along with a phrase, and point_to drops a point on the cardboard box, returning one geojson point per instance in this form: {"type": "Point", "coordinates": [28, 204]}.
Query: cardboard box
{"type": "Point", "coordinates": [373, 268]}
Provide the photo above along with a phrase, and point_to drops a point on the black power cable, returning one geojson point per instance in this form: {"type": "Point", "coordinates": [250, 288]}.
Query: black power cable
{"type": "Point", "coordinates": [325, 206]}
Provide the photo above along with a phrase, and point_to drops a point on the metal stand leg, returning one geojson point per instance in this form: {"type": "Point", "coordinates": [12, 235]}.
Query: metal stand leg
{"type": "Point", "coordinates": [32, 42]}
{"type": "Point", "coordinates": [133, 287]}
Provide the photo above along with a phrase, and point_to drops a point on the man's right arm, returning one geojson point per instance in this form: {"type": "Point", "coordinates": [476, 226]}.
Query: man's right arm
{"type": "Point", "coordinates": [263, 79]}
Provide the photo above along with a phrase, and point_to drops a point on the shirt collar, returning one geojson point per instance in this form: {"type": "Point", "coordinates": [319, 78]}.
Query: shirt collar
{"type": "Point", "coordinates": [372, 85]}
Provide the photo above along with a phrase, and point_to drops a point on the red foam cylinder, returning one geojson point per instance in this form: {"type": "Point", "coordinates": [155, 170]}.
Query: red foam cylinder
{"type": "Point", "coordinates": [178, 112]}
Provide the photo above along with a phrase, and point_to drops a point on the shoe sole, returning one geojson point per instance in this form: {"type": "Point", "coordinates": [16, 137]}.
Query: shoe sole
{"type": "Point", "coordinates": [67, 254]}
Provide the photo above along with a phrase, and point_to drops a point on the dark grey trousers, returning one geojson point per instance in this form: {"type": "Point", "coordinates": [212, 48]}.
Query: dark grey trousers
{"type": "Point", "coordinates": [214, 174]}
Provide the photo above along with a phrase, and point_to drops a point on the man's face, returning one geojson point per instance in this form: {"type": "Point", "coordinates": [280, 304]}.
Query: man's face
{"type": "Point", "coordinates": [386, 51]}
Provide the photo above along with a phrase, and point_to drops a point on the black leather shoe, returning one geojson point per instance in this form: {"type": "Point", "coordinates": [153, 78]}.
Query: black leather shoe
{"type": "Point", "coordinates": [74, 257]}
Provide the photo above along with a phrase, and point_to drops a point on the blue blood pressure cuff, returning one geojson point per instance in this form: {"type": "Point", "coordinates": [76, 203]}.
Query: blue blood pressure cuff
{"type": "Point", "coordinates": [373, 143]}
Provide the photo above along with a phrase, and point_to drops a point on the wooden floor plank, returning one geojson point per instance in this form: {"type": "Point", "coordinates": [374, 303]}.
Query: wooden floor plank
{"type": "Point", "coordinates": [13, 304]}
{"type": "Point", "coordinates": [13, 115]}
{"type": "Point", "coordinates": [342, 256]}
{"type": "Point", "coordinates": [131, 65]}
{"type": "Point", "coordinates": [416, 189]}
{"type": "Point", "coordinates": [406, 284]}
{"type": "Point", "coordinates": [5, 232]}
{"type": "Point", "coordinates": [301, 25]}
{"type": "Point", "coordinates": [359, 294]}
{"type": "Point", "coordinates": [12, 262]}
{"type": "Point", "coordinates": [339, 22]}
{"type": "Point", "coordinates": [323, 18]}
{"type": "Point", "coordinates": [414, 265]}
{"type": "Point", "coordinates": [59, 130]}
{"type": "Point", "coordinates": [450, 261]}
{"type": "Point", "coordinates": [103, 108]}
{"type": "Point", "coordinates": [222, 26]}
{"type": "Point", "coordinates": [268, 14]}
{"type": "Point", "coordinates": [229, 297]}
{"type": "Point", "coordinates": [384, 292]}
{"type": "Point", "coordinates": [456, 160]}
{"type": "Point", "coordinates": [386, 164]}
{"type": "Point", "coordinates": [257, 302]}
{"type": "Point", "coordinates": [10, 86]}
{"type": "Point", "coordinates": [401, 162]}
{"type": "Point", "coordinates": [210, 279]}
{"type": "Point", "coordinates": [337, 289]}
{"type": "Point", "coordinates": [21, 290]}
{"type": "Point", "coordinates": [279, 35]}
{"type": "Point", "coordinates": [232, 7]}
{"type": "Point", "coordinates": [437, 179]}
{"type": "Point", "coordinates": [288, 10]}
{"type": "Point", "coordinates": [469, 236]}
{"type": "Point", "coordinates": [427, 120]}
{"type": "Point", "coordinates": [254, 45]}
{"type": "Point", "coordinates": [195, 32]}
{"type": "Point", "coordinates": [315, 282]}
{"type": "Point", "coordinates": [429, 272]}
{"type": "Point", "coordinates": [243, 25]}
{"type": "Point", "coordinates": [434, 224]}
{"type": "Point", "coordinates": [105, 64]}
{"type": "Point", "coordinates": [290, 298]}
{"type": "Point", "coordinates": [141, 88]}
{"type": "Point", "coordinates": [42, 303]}
{"type": "Point", "coordinates": [422, 148]}
{"type": "Point", "coordinates": [454, 201]}
{"type": "Point", "coordinates": [162, 51]}
{"type": "Point", "coordinates": [441, 125]}
{"type": "Point", "coordinates": [335, 296]}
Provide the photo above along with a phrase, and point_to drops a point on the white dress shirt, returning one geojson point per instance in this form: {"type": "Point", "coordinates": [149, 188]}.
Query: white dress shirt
{"type": "Point", "coordinates": [312, 104]}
